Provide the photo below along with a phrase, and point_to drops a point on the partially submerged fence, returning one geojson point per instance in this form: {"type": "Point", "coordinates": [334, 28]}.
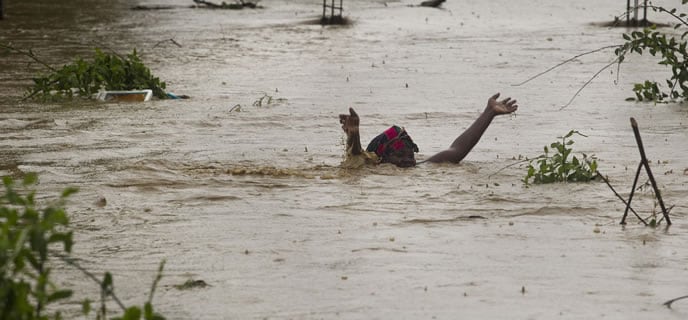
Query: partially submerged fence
{"type": "Point", "coordinates": [335, 11]}
{"type": "Point", "coordinates": [635, 8]}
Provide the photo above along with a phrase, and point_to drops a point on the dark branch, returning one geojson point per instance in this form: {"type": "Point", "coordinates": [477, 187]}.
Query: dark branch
{"type": "Point", "coordinates": [588, 82]}
{"type": "Point", "coordinates": [668, 303]}
{"type": "Point", "coordinates": [619, 196]}
{"type": "Point", "coordinates": [564, 62]}
{"type": "Point", "coordinates": [673, 14]}
{"type": "Point", "coordinates": [28, 54]}
{"type": "Point", "coordinates": [513, 164]}
{"type": "Point", "coordinates": [72, 262]}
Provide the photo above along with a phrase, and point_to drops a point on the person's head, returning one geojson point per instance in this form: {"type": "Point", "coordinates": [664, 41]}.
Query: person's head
{"type": "Point", "coordinates": [394, 146]}
{"type": "Point", "coordinates": [402, 157]}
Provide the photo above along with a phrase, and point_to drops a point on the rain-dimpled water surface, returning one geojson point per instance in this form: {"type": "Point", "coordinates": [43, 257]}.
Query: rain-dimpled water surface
{"type": "Point", "coordinates": [249, 197]}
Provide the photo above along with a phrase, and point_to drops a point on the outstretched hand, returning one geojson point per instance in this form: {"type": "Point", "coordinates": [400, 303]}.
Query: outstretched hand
{"type": "Point", "coordinates": [505, 106]}
{"type": "Point", "coordinates": [349, 121]}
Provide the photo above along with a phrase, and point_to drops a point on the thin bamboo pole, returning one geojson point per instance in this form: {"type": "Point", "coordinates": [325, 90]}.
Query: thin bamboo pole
{"type": "Point", "coordinates": [630, 197]}
{"type": "Point", "coordinates": [644, 162]}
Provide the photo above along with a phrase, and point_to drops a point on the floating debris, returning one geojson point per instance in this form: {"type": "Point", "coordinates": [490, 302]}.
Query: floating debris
{"type": "Point", "coordinates": [191, 284]}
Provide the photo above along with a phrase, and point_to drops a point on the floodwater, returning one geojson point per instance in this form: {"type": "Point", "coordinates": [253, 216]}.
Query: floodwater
{"type": "Point", "coordinates": [250, 198]}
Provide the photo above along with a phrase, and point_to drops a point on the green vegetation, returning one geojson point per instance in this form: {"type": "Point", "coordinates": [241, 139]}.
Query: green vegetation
{"type": "Point", "coordinates": [32, 236]}
{"type": "Point", "coordinates": [556, 167]}
{"type": "Point", "coordinates": [671, 52]}
{"type": "Point", "coordinates": [105, 71]}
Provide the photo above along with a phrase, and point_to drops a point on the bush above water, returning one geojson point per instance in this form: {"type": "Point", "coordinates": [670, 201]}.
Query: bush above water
{"type": "Point", "coordinates": [105, 71]}
{"type": "Point", "coordinates": [556, 167]}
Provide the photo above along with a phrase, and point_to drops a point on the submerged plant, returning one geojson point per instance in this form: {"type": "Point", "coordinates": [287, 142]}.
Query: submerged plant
{"type": "Point", "coordinates": [555, 166]}
{"type": "Point", "coordinates": [105, 71]}
{"type": "Point", "coordinates": [267, 100]}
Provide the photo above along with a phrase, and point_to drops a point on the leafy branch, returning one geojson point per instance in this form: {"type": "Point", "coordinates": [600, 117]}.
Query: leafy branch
{"type": "Point", "coordinates": [556, 167]}
{"type": "Point", "coordinates": [672, 53]}
{"type": "Point", "coordinates": [84, 78]}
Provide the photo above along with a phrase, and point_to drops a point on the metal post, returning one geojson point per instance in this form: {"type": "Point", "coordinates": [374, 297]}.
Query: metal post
{"type": "Point", "coordinates": [628, 13]}
{"type": "Point", "coordinates": [645, 13]}
{"type": "Point", "coordinates": [332, 16]}
{"type": "Point", "coordinates": [1, 10]}
{"type": "Point", "coordinates": [324, 6]}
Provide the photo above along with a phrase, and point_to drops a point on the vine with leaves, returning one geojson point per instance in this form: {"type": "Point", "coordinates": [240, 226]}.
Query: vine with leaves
{"type": "Point", "coordinates": [672, 53]}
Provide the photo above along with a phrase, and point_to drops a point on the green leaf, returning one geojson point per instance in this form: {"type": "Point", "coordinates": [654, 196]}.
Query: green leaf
{"type": "Point", "coordinates": [132, 313]}
{"type": "Point", "coordinates": [30, 179]}
{"type": "Point", "coordinates": [7, 181]}
{"type": "Point", "coordinates": [69, 191]}
{"type": "Point", "coordinates": [64, 238]}
{"type": "Point", "coordinates": [106, 284]}
{"type": "Point", "coordinates": [59, 295]}
{"type": "Point", "coordinates": [86, 307]}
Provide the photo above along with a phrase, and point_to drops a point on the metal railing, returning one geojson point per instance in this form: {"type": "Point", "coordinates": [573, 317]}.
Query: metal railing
{"type": "Point", "coordinates": [332, 7]}
{"type": "Point", "coordinates": [635, 8]}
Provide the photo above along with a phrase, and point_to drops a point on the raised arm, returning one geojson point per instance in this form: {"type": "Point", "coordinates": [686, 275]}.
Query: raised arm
{"type": "Point", "coordinates": [469, 138]}
{"type": "Point", "coordinates": [350, 124]}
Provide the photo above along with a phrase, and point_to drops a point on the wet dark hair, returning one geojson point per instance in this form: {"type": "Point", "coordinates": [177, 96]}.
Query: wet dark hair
{"type": "Point", "coordinates": [394, 146]}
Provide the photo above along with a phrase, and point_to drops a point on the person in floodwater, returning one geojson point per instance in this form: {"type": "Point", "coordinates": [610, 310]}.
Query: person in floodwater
{"type": "Point", "coordinates": [395, 146]}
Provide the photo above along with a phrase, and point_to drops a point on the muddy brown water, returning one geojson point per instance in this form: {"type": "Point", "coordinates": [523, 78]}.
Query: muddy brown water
{"type": "Point", "coordinates": [252, 201]}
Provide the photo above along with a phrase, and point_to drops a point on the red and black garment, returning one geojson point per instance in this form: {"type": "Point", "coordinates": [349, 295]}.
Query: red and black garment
{"type": "Point", "coordinates": [393, 139]}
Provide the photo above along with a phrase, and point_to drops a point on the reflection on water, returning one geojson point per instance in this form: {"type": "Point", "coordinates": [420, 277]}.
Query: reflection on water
{"type": "Point", "coordinates": [252, 200]}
